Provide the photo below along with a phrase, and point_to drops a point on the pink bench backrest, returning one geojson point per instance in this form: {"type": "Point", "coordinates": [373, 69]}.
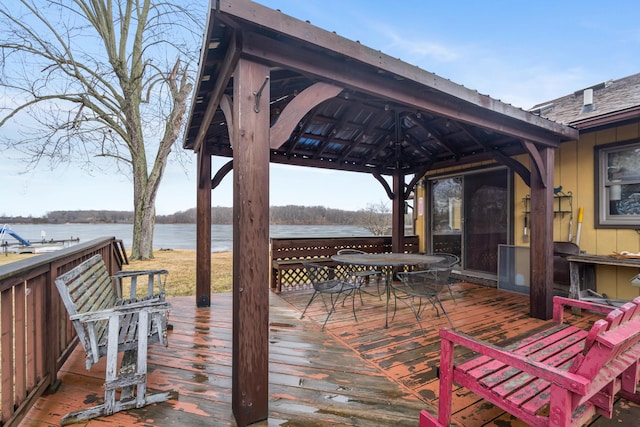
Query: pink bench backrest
{"type": "Point", "coordinates": [609, 340]}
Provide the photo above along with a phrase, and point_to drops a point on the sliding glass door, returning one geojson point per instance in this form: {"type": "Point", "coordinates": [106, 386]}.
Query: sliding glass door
{"type": "Point", "coordinates": [470, 217]}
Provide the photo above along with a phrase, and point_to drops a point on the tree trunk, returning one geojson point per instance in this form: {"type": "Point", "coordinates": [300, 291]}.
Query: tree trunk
{"type": "Point", "coordinates": [143, 225]}
{"type": "Point", "coordinates": [104, 95]}
{"type": "Point", "coordinates": [144, 219]}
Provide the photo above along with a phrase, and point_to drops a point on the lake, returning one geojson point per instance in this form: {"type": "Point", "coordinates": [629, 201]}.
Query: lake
{"type": "Point", "coordinates": [174, 236]}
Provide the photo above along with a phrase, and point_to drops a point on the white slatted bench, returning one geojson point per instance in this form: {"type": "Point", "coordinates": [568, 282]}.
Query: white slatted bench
{"type": "Point", "coordinates": [106, 324]}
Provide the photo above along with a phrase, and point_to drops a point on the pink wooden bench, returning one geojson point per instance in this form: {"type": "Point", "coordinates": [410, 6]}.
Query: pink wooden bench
{"type": "Point", "coordinates": [562, 376]}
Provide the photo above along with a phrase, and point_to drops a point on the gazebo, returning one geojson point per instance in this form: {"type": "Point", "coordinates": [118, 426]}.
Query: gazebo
{"type": "Point", "coordinates": [272, 88]}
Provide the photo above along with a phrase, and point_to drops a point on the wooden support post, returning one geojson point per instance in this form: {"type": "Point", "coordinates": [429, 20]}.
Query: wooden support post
{"type": "Point", "coordinates": [203, 230]}
{"type": "Point", "coordinates": [397, 227]}
{"type": "Point", "coordinates": [250, 371]}
{"type": "Point", "coordinates": [541, 282]}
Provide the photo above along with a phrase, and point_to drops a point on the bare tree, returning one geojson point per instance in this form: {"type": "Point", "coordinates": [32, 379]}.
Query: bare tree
{"type": "Point", "coordinates": [103, 83]}
{"type": "Point", "coordinates": [377, 218]}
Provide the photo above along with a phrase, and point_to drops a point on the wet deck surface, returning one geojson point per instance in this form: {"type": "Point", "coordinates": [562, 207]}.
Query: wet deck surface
{"type": "Point", "coordinates": [350, 373]}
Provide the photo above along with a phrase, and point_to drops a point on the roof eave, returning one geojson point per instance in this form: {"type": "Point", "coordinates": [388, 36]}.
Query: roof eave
{"type": "Point", "coordinates": [276, 21]}
{"type": "Point", "coordinates": [606, 120]}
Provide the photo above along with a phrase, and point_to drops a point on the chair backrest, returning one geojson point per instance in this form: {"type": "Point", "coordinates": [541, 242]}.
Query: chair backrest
{"type": "Point", "coordinates": [318, 273]}
{"type": "Point", "coordinates": [426, 282]}
{"type": "Point", "coordinates": [87, 288]}
{"type": "Point", "coordinates": [610, 341]}
{"type": "Point", "coordinates": [446, 260]}
{"type": "Point", "coordinates": [350, 251]}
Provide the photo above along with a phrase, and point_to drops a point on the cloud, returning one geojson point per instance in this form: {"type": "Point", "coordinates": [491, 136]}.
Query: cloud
{"type": "Point", "coordinates": [418, 48]}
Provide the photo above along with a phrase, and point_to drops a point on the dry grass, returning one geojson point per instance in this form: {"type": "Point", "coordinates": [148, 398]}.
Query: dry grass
{"type": "Point", "coordinates": [181, 265]}
{"type": "Point", "coordinates": [6, 258]}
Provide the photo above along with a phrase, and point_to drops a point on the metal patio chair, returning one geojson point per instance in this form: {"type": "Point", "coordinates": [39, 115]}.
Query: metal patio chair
{"type": "Point", "coordinates": [448, 260]}
{"type": "Point", "coordinates": [414, 286]}
{"type": "Point", "coordinates": [361, 275]}
{"type": "Point", "coordinates": [327, 283]}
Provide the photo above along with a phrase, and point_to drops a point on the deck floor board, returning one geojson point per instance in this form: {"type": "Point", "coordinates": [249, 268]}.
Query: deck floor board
{"type": "Point", "coordinates": [350, 373]}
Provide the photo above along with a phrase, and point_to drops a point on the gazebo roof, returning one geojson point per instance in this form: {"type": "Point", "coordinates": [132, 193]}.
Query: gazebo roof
{"type": "Point", "coordinates": [336, 104]}
{"type": "Point", "coordinates": [386, 116]}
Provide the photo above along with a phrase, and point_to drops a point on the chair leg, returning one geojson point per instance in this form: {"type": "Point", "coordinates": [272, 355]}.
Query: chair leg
{"type": "Point", "coordinates": [353, 302]}
{"type": "Point", "coordinates": [309, 303]}
{"type": "Point", "coordinates": [332, 309]}
{"type": "Point", "coordinates": [444, 312]}
{"type": "Point", "coordinates": [395, 304]}
{"type": "Point", "coordinates": [451, 293]}
{"type": "Point", "coordinates": [416, 313]}
{"type": "Point", "coordinates": [359, 290]}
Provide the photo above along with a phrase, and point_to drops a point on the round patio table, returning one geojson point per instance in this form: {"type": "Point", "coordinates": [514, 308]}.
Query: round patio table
{"type": "Point", "coordinates": [386, 262]}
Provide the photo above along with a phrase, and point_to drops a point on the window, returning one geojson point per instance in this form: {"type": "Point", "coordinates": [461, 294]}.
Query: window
{"type": "Point", "coordinates": [618, 185]}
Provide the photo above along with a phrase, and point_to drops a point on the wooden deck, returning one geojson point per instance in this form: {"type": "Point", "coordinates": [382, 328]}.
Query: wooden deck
{"type": "Point", "coordinates": [350, 373]}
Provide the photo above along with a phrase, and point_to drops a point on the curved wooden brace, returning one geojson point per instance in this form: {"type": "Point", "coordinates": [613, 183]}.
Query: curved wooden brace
{"type": "Point", "coordinates": [384, 183]}
{"type": "Point", "coordinates": [226, 105]}
{"type": "Point", "coordinates": [417, 177]}
{"type": "Point", "coordinates": [222, 172]}
{"type": "Point", "coordinates": [514, 165]}
{"type": "Point", "coordinates": [297, 108]}
{"type": "Point", "coordinates": [537, 161]}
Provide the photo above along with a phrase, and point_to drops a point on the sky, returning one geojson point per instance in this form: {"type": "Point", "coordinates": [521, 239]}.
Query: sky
{"type": "Point", "coordinates": [521, 53]}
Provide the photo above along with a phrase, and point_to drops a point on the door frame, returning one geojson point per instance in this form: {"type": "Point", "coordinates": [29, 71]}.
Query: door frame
{"type": "Point", "coordinates": [429, 234]}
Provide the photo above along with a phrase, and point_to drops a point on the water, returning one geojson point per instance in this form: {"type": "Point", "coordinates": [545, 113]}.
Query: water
{"type": "Point", "coordinates": [174, 236]}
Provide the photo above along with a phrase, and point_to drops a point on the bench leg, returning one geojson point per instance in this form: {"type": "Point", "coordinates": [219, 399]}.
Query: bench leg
{"type": "Point", "coordinates": [560, 411]}
{"type": "Point", "coordinates": [629, 381]}
{"type": "Point", "coordinates": [141, 371]}
{"type": "Point", "coordinates": [133, 372]}
{"type": "Point", "coordinates": [446, 389]}
{"type": "Point", "coordinates": [127, 369]}
{"type": "Point", "coordinates": [112, 364]}
{"type": "Point", "coordinates": [100, 410]}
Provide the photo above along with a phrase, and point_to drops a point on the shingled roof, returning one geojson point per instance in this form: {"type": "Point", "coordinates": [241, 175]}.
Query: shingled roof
{"type": "Point", "coordinates": [613, 102]}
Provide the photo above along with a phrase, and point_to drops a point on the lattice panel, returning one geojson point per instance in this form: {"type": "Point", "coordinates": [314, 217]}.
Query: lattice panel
{"type": "Point", "coordinates": [296, 278]}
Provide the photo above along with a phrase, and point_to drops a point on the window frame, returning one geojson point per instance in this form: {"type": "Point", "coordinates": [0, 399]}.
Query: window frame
{"type": "Point", "coordinates": [603, 185]}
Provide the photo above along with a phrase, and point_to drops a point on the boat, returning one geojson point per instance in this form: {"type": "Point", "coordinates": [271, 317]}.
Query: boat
{"type": "Point", "coordinates": [20, 245]}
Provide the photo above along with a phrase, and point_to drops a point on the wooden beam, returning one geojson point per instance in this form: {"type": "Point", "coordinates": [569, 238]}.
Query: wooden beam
{"type": "Point", "coordinates": [222, 172]}
{"type": "Point", "coordinates": [500, 157]}
{"type": "Point", "coordinates": [222, 80]}
{"type": "Point", "coordinates": [541, 246]}
{"type": "Point", "coordinates": [416, 177]}
{"type": "Point", "coordinates": [250, 371]}
{"type": "Point", "coordinates": [384, 184]}
{"type": "Point", "coordinates": [333, 45]}
{"type": "Point", "coordinates": [297, 108]}
{"type": "Point", "coordinates": [397, 213]}
{"type": "Point", "coordinates": [538, 162]}
{"type": "Point", "coordinates": [203, 229]}
{"type": "Point", "coordinates": [514, 165]}
{"type": "Point", "coordinates": [226, 105]}
{"type": "Point", "coordinates": [502, 118]}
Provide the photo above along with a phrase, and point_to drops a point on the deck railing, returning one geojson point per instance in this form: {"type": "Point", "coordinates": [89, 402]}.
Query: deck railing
{"type": "Point", "coordinates": [287, 254]}
{"type": "Point", "coordinates": [37, 336]}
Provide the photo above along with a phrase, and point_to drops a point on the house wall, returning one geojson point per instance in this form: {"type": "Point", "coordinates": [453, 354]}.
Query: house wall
{"type": "Point", "coordinates": [574, 171]}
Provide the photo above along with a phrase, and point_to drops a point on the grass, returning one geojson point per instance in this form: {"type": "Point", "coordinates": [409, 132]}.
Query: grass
{"type": "Point", "coordinates": [181, 265]}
